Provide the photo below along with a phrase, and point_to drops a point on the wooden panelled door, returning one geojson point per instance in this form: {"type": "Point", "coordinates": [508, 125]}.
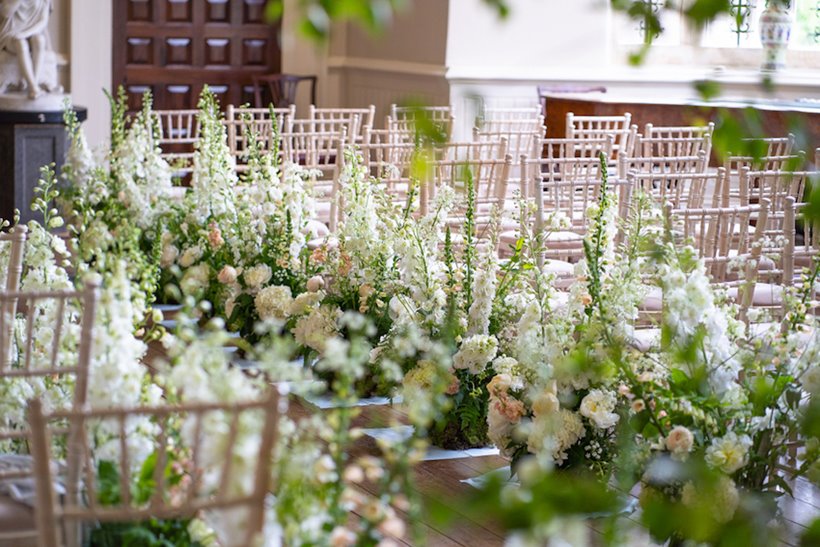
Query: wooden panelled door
{"type": "Point", "coordinates": [174, 47]}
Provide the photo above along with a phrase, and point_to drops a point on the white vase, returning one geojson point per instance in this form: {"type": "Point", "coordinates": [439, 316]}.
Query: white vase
{"type": "Point", "coordinates": [775, 30]}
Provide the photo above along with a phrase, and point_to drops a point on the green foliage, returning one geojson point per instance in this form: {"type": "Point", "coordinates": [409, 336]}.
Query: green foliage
{"type": "Point", "coordinates": [150, 533]}
{"type": "Point", "coordinates": [45, 194]}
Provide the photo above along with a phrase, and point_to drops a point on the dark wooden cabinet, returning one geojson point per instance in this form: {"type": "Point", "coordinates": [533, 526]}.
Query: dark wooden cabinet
{"type": "Point", "coordinates": [174, 47]}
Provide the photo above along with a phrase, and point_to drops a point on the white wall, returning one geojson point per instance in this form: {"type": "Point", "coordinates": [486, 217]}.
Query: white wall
{"type": "Point", "coordinates": [537, 34]}
{"type": "Point", "coordinates": [90, 64]}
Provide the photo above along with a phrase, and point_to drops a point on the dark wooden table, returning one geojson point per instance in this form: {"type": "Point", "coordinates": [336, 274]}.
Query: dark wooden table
{"type": "Point", "coordinates": [777, 118]}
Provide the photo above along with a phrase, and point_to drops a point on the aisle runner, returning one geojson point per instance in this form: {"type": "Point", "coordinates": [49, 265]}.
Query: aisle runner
{"type": "Point", "coordinates": [502, 472]}
{"type": "Point", "coordinates": [324, 401]}
{"type": "Point", "coordinates": [402, 433]}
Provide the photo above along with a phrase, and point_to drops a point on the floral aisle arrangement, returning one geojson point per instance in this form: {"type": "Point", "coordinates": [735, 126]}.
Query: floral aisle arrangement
{"type": "Point", "coordinates": [115, 207]}
{"type": "Point", "coordinates": [554, 394]}
{"type": "Point", "coordinates": [707, 421]}
{"type": "Point", "coordinates": [117, 376]}
{"type": "Point", "coordinates": [354, 270]}
{"type": "Point", "coordinates": [449, 295]}
{"type": "Point", "coordinates": [239, 243]}
{"type": "Point", "coordinates": [45, 263]}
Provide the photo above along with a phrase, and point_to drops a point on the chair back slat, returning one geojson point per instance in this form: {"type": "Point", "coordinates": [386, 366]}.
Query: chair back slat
{"type": "Point", "coordinates": [58, 522]}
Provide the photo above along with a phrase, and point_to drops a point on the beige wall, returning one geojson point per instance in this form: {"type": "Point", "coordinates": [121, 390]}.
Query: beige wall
{"type": "Point", "coordinates": [418, 34]}
{"type": "Point", "coordinates": [407, 60]}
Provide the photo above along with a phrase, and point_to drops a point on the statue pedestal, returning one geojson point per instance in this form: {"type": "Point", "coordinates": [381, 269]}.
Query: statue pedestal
{"type": "Point", "coordinates": [29, 140]}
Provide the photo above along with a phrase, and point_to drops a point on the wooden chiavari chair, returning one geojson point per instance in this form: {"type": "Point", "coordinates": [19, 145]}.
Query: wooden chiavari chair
{"type": "Point", "coordinates": [722, 240]}
{"type": "Point", "coordinates": [678, 132]}
{"type": "Point", "coordinates": [565, 188]}
{"type": "Point", "coordinates": [598, 127]}
{"type": "Point", "coordinates": [35, 361]}
{"type": "Point", "coordinates": [214, 486]}
{"type": "Point", "coordinates": [178, 131]}
{"type": "Point", "coordinates": [402, 121]}
{"type": "Point", "coordinates": [801, 251]}
{"type": "Point", "coordinates": [681, 190]}
{"type": "Point", "coordinates": [489, 179]}
{"type": "Point", "coordinates": [663, 164]}
{"type": "Point", "coordinates": [389, 161]}
{"type": "Point", "coordinates": [15, 239]}
{"type": "Point", "coordinates": [240, 120]}
{"type": "Point", "coordinates": [649, 147]}
{"type": "Point", "coordinates": [322, 154]}
{"type": "Point", "coordinates": [357, 120]}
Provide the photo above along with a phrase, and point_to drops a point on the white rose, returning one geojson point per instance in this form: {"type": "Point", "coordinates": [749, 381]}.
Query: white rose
{"type": "Point", "coordinates": [169, 255]}
{"type": "Point", "coordinates": [729, 453]}
{"type": "Point", "coordinates": [598, 406]}
{"type": "Point", "coordinates": [811, 380]}
{"type": "Point", "coordinates": [190, 256]}
{"type": "Point", "coordinates": [257, 276]}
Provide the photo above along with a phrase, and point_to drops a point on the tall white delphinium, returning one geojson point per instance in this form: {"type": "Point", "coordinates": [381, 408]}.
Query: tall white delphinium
{"type": "Point", "coordinates": [143, 177]}
{"type": "Point", "coordinates": [421, 269]}
{"type": "Point", "coordinates": [214, 177]}
{"type": "Point", "coordinates": [485, 281]}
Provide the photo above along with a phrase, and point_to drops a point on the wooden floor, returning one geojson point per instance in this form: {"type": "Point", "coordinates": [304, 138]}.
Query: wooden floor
{"type": "Point", "coordinates": [440, 481]}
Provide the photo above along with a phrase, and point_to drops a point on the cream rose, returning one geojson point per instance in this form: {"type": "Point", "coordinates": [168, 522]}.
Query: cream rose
{"type": "Point", "coordinates": [680, 442]}
{"type": "Point", "coordinates": [315, 283]}
{"type": "Point", "coordinates": [227, 275]}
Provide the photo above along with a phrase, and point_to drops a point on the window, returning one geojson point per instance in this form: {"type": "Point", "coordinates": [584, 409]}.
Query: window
{"type": "Point", "coordinates": [631, 32]}
{"type": "Point", "coordinates": [740, 29]}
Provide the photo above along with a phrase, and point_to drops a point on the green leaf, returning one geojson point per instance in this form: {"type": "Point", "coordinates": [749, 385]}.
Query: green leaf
{"type": "Point", "coordinates": [702, 12]}
{"type": "Point", "coordinates": [108, 483]}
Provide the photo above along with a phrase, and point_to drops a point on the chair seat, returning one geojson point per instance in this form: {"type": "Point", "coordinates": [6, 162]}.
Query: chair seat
{"type": "Point", "coordinates": [646, 339]}
{"type": "Point", "coordinates": [17, 525]}
{"type": "Point", "coordinates": [316, 229]}
{"type": "Point", "coordinates": [766, 294]}
{"type": "Point", "coordinates": [764, 264]}
{"type": "Point", "coordinates": [653, 301]}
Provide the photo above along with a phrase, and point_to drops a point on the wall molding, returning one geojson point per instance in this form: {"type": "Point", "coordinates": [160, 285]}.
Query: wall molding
{"type": "Point", "coordinates": [340, 62]}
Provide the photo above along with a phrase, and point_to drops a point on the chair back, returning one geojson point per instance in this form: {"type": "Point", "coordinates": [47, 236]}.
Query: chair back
{"type": "Point", "coordinates": [45, 348]}
{"type": "Point", "coordinates": [212, 434]}
{"type": "Point", "coordinates": [721, 235]}
{"type": "Point", "coordinates": [598, 127]}
{"type": "Point", "coordinates": [322, 153]}
{"type": "Point", "coordinates": [239, 121]}
{"type": "Point", "coordinates": [357, 120]}
{"type": "Point", "coordinates": [178, 131]}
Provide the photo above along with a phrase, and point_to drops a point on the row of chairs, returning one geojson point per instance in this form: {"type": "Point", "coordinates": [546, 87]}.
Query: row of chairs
{"type": "Point", "coordinates": [65, 502]}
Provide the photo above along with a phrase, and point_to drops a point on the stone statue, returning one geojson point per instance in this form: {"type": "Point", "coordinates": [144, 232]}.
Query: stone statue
{"type": "Point", "coordinates": [27, 63]}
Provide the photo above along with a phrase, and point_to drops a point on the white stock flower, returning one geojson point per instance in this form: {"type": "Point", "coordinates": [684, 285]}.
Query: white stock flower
{"type": "Point", "coordinates": [475, 352]}
{"type": "Point", "coordinates": [190, 256]}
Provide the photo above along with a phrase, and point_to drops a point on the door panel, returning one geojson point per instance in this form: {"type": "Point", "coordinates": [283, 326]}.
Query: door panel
{"type": "Point", "coordinates": [174, 47]}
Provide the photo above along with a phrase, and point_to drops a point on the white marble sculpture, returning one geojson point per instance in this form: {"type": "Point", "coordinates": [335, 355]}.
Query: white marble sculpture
{"type": "Point", "coordinates": [28, 65]}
